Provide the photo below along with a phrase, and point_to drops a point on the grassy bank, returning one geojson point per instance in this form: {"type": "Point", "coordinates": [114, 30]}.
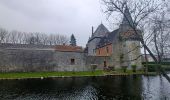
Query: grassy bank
{"type": "Point", "coordinates": [24, 75]}
{"type": "Point", "coordinates": [48, 74]}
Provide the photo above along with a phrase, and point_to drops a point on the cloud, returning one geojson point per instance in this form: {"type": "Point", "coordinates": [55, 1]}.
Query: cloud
{"type": "Point", "coordinates": [52, 16]}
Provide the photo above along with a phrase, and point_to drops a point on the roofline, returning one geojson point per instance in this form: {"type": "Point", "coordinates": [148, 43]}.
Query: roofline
{"type": "Point", "coordinates": [94, 38]}
{"type": "Point", "coordinates": [104, 45]}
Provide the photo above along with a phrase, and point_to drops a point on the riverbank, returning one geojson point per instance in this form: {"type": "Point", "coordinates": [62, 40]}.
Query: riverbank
{"type": "Point", "coordinates": [26, 75]}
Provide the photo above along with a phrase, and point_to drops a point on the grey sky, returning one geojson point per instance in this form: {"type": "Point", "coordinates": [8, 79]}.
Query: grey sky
{"type": "Point", "coordinates": [52, 16]}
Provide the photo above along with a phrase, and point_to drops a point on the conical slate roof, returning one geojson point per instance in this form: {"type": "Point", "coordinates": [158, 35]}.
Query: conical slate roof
{"type": "Point", "coordinates": [127, 19]}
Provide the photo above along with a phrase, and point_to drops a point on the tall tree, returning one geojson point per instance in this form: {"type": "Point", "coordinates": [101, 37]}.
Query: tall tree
{"type": "Point", "coordinates": [141, 12]}
{"type": "Point", "coordinates": [72, 40]}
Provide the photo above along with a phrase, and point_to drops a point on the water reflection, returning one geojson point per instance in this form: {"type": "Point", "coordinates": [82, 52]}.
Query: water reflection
{"type": "Point", "coordinates": [87, 88]}
{"type": "Point", "coordinates": [155, 88]}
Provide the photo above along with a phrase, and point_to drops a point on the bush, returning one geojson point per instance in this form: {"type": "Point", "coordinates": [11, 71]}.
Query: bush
{"type": "Point", "coordinates": [162, 63]}
{"type": "Point", "coordinates": [112, 68]}
{"type": "Point", "coordinates": [124, 68]}
{"type": "Point", "coordinates": [134, 68]}
{"type": "Point", "coordinates": [152, 67]}
{"type": "Point", "coordinates": [93, 67]}
{"type": "Point", "coordinates": [167, 68]}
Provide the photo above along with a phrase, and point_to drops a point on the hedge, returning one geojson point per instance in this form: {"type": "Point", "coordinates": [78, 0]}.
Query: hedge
{"type": "Point", "coordinates": [162, 63]}
{"type": "Point", "coordinates": [152, 67]}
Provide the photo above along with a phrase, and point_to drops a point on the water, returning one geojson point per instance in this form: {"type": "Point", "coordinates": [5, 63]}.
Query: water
{"type": "Point", "coordinates": [87, 88]}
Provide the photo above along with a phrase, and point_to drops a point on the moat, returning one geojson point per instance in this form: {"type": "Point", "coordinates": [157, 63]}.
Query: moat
{"type": "Point", "coordinates": [87, 88]}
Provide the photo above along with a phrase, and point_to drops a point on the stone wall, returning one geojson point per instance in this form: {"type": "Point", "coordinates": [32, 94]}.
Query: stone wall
{"type": "Point", "coordinates": [133, 53]}
{"type": "Point", "coordinates": [99, 61]}
{"type": "Point", "coordinates": [22, 60]}
{"type": "Point", "coordinates": [64, 63]}
{"type": "Point", "coordinates": [29, 59]}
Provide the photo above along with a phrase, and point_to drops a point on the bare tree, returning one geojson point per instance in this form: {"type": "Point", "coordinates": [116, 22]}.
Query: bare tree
{"type": "Point", "coordinates": [57, 39]}
{"type": "Point", "coordinates": [141, 11]}
{"type": "Point", "coordinates": [44, 38]}
{"type": "Point", "coordinates": [13, 37]}
{"type": "Point", "coordinates": [17, 37]}
{"type": "Point", "coordinates": [3, 34]}
{"type": "Point", "coordinates": [161, 33]}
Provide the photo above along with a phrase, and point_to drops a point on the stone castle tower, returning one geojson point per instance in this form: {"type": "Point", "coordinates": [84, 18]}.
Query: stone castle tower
{"type": "Point", "coordinates": [130, 44]}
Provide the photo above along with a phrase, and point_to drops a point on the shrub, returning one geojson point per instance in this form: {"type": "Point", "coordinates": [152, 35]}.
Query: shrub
{"type": "Point", "coordinates": [112, 68]}
{"type": "Point", "coordinates": [134, 68]}
{"type": "Point", "coordinates": [167, 68]}
{"type": "Point", "coordinates": [163, 63]}
{"type": "Point", "coordinates": [152, 67]}
{"type": "Point", "coordinates": [124, 68]}
{"type": "Point", "coordinates": [93, 67]}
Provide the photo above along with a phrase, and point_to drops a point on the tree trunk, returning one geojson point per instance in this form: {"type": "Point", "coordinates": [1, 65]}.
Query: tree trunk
{"type": "Point", "coordinates": [155, 59]}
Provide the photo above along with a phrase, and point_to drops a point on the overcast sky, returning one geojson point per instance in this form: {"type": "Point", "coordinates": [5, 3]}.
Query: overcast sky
{"type": "Point", "coordinates": [53, 16]}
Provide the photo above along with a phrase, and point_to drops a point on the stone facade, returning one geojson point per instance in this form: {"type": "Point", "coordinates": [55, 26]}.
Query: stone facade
{"type": "Point", "coordinates": [28, 58]}
{"type": "Point", "coordinates": [70, 61]}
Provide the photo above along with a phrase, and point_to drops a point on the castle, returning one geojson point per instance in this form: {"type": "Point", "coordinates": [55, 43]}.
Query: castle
{"type": "Point", "coordinates": [122, 45]}
{"type": "Point", "coordinates": [118, 48]}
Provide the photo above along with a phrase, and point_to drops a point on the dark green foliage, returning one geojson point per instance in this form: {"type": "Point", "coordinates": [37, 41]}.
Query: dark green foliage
{"type": "Point", "coordinates": [73, 40]}
{"type": "Point", "coordinates": [152, 66]}
{"type": "Point", "coordinates": [124, 68]}
{"type": "Point", "coordinates": [134, 68]}
{"type": "Point", "coordinates": [162, 63]}
{"type": "Point", "coordinates": [167, 68]}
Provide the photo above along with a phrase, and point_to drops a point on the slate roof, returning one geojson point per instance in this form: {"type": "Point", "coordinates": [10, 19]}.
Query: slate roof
{"type": "Point", "coordinates": [108, 38]}
{"type": "Point", "coordinates": [101, 29]}
{"type": "Point", "coordinates": [99, 32]}
{"type": "Point", "coordinates": [127, 19]}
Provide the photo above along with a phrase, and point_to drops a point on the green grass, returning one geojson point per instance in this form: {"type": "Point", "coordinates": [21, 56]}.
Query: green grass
{"type": "Point", "coordinates": [48, 74]}
{"type": "Point", "coordinates": [24, 75]}
{"type": "Point", "coordinates": [129, 72]}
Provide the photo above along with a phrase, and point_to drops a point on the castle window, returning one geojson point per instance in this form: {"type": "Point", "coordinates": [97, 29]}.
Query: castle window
{"type": "Point", "coordinates": [72, 61]}
{"type": "Point", "coordinates": [107, 49]}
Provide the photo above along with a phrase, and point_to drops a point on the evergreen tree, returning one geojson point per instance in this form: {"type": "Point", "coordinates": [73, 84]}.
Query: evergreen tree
{"type": "Point", "coordinates": [72, 40]}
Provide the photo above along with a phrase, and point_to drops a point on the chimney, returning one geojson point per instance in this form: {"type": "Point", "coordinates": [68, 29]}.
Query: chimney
{"type": "Point", "coordinates": [92, 30]}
